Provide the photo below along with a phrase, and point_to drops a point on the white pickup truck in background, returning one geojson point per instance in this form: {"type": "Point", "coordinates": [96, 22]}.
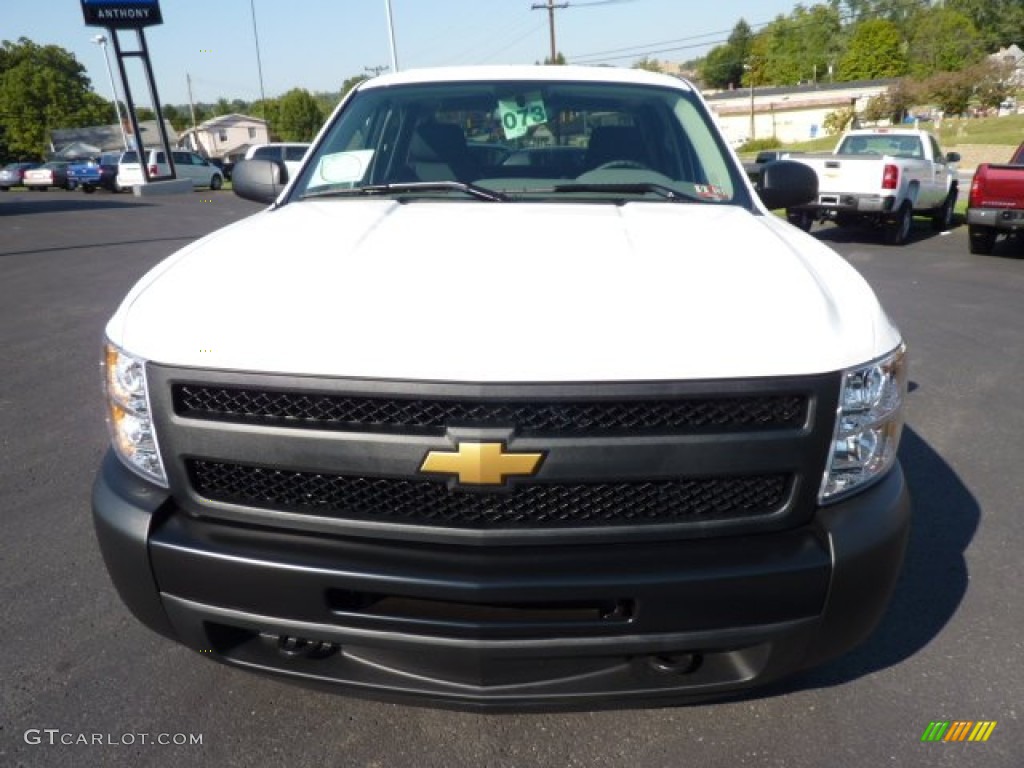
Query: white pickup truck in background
{"type": "Point", "coordinates": [882, 177]}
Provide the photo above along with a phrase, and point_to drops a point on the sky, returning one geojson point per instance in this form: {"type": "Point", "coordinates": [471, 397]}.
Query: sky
{"type": "Point", "coordinates": [318, 44]}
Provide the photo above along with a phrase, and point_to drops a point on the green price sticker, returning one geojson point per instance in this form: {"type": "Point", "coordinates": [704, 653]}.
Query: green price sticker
{"type": "Point", "coordinates": [517, 119]}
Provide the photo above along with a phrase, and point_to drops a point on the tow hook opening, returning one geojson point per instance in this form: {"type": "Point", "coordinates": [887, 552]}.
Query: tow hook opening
{"type": "Point", "coordinates": [683, 663]}
{"type": "Point", "coordinates": [298, 647]}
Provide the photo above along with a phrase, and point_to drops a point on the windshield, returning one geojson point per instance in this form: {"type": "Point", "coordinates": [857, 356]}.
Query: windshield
{"type": "Point", "coordinates": [524, 140]}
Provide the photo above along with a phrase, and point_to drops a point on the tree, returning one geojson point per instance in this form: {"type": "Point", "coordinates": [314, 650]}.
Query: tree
{"type": "Point", "coordinates": [992, 83]}
{"type": "Point", "coordinates": [559, 59]}
{"type": "Point", "coordinates": [875, 50]}
{"type": "Point", "coordinates": [800, 46]}
{"type": "Point", "coordinates": [300, 116]}
{"type": "Point", "coordinates": [999, 22]}
{"type": "Point", "coordinates": [647, 64]}
{"type": "Point", "coordinates": [723, 66]}
{"type": "Point", "coordinates": [951, 91]}
{"type": "Point", "coordinates": [43, 88]}
{"type": "Point", "coordinates": [351, 83]}
{"type": "Point", "coordinates": [943, 41]}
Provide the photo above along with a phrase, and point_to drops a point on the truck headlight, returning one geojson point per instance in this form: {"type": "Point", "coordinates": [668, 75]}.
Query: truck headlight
{"type": "Point", "coordinates": [128, 414]}
{"type": "Point", "coordinates": [869, 421]}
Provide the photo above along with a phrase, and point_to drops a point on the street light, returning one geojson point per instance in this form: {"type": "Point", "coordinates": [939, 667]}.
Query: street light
{"type": "Point", "coordinates": [391, 36]}
{"type": "Point", "coordinates": [101, 41]}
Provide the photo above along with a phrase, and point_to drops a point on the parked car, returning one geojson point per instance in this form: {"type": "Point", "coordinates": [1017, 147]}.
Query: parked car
{"type": "Point", "coordinates": [13, 174]}
{"type": "Point", "coordinates": [187, 165]}
{"type": "Point", "coordinates": [96, 172]}
{"type": "Point", "coordinates": [996, 203]}
{"type": "Point", "coordinates": [51, 174]}
{"type": "Point", "coordinates": [291, 154]}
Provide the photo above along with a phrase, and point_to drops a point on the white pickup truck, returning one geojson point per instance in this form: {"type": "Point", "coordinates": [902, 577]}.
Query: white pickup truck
{"type": "Point", "coordinates": [516, 395]}
{"type": "Point", "coordinates": [882, 177]}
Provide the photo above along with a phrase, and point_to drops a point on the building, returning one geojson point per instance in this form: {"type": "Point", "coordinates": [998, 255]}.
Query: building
{"type": "Point", "coordinates": [790, 114]}
{"type": "Point", "coordinates": [90, 141]}
{"type": "Point", "coordinates": [1013, 59]}
{"type": "Point", "coordinates": [226, 137]}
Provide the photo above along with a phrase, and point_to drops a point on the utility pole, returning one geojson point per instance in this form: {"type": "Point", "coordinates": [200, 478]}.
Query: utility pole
{"type": "Point", "coordinates": [375, 71]}
{"type": "Point", "coordinates": [550, 6]}
{"type": "Point", "coordinates": [191, 107]}
{"type": "Point", "coordinates": [259, 64]}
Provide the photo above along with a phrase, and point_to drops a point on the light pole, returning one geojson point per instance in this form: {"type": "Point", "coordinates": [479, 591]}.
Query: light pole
{"type": "Point", "coordinates": [101, 41]}
{"type": "Point", "coordinates": [391, 37]}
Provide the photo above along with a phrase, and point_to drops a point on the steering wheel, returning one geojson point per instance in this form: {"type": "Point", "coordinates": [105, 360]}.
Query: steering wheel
{"type": "Point", "coordinates": [622, 164]}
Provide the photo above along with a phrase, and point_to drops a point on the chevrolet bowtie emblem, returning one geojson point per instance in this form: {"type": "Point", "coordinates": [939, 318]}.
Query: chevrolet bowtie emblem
{"type": "Point", "coordinates": [481, 463]}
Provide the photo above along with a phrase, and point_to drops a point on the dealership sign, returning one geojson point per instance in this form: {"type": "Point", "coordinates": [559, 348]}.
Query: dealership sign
{"type": "Point", "coordinates": [118, 14]}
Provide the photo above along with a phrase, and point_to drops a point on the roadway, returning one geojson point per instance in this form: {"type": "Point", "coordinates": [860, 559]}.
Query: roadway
{"type": "Point", "coordinates": [74, 659]}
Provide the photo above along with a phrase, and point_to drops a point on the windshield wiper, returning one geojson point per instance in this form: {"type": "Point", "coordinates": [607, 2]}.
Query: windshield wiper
{"type": "Point", "coordinates": [630, 188]}
{"type": "Point", "coordinates": [481, 193]}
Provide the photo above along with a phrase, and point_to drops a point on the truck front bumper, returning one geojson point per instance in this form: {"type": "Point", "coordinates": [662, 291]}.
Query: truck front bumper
{"type": "Point", "coordinates": [558, 626]}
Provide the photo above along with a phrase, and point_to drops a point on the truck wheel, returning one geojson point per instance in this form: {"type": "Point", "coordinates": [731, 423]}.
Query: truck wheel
{"type": "Point", "coordinates": [800, 219]}
{"type": "Point", "coordinates": [942, 219]}
{"type": "Point", "coordinates": [981, 240]}
{"type": "Point", "coordinates": [897, 231]}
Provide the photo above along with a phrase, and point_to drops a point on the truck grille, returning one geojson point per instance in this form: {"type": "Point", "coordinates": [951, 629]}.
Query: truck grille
{"type": "Point", "coordinates": [322, 411]}
{"type": "Point", "coordinates": [431, 503]}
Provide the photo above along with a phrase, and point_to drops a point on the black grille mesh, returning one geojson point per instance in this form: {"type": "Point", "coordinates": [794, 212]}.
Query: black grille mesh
{"type": "Point", "coordinates": [533, 417]}
{"type": "Point", "coordinates": [430, 503]}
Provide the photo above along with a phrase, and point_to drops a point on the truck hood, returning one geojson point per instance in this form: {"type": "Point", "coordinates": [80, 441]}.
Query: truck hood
{"type": "Point", "coordinates": [476, 291]}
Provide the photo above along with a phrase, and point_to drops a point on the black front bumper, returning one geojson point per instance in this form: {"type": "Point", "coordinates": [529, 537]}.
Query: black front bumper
{"type": "Point", "coordinates": [570, 625]}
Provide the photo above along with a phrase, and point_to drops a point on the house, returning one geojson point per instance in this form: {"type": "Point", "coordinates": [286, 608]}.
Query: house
{"type": "Point", "coordinates": [1013, 58]}
{"type": "Point", "coordinates": [226, 137]}
{"type": "Point", "coordinates": [76, 142]}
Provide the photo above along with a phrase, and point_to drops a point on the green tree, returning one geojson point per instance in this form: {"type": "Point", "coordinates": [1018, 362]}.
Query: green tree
{"type": "Point", "coordinates": [800, 46]}
{"type": "Point", "coordinates": [999, 22]}
{"type": "Point", "coordinates": [43, 88]}
{"type": "Point", "coordinates": [943, 41]}
{"type": "Point", "coordinates": [647, 64]}
{"type": "Point", "coordinates": [300, 116]}
{"type": "Point", "coordinates": [351, 83]}
{"type": "Point", "coordinates": [723, 66]}
{"type": "Point", "coordinates": [875, 50]}
{"type": "Point", "coordinates": [178, 117]}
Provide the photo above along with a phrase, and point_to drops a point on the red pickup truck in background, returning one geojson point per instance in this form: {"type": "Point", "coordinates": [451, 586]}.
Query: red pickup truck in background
{"type": "Point", "coordinates": [996, 203]}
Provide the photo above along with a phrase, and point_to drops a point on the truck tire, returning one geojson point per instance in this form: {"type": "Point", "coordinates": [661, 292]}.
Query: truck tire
{"type": "Point", "coordinates": [897, 230]}
{"type": "Point", "coordinates": [800, 219]}
{"type": "Point", "coordinates": [942, 219]}
{"type": "Point", "coordinates": [981, 240]}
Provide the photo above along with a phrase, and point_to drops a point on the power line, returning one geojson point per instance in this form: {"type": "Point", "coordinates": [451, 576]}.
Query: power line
{"type": "Point", "coordinates": [551, 6]}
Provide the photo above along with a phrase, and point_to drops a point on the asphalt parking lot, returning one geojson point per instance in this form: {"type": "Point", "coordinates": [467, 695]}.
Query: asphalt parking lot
{"type": "Point", "coordinates": [76, 664]}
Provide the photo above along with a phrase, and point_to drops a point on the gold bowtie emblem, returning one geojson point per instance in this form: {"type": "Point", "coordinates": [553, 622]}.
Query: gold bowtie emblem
{"type": "Point", "coordinates": [481, 463]}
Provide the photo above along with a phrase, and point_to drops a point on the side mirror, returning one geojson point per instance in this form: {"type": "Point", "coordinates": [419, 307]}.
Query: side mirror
{"type": "Point", "coordinates": [259, 180]}
{"type": "Point", "coordinates": [952, 157]}
{"type": "Point", "coordinates": [786, 184]}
